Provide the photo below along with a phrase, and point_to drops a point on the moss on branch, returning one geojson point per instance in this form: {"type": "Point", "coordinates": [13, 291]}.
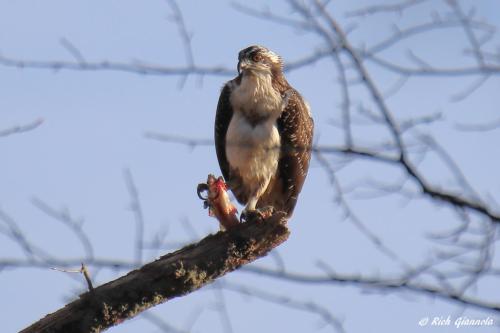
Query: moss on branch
{"type": "Point", "coordinates": [172, 275]}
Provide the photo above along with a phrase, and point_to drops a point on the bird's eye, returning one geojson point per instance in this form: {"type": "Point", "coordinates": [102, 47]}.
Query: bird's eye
{"type": "Point", "coordinates": [256, 57]}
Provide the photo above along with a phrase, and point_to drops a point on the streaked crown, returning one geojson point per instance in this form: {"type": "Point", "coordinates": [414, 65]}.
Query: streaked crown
{"type": "Point", "coordinates": [259, 57]}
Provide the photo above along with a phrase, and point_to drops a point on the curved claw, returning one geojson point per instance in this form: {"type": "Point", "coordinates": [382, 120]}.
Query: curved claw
{"type": "Point", "coordinates": [258, 215]}
{"type": "Point", "coordinates": [251, 216]}
{"type": "Point", "coordinates": [243, 216]}
{"type": "Point", "coordinates": [203, 187]}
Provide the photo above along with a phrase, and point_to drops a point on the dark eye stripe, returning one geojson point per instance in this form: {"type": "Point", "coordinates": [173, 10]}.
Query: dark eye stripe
{"type": "Point", "coordinates": [252, 53]}
{"type": "Point", "coordinates": [249, 52]}
{"type": "Point", "coordinates": [252, 50]}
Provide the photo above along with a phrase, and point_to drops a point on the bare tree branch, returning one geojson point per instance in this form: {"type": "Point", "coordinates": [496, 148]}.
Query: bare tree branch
{"type": "Point", "coordinates": [400, 34]}
{"type": "Point", "coordinates": [445, 72]}
{"type": "Point", "coordinates": [115, 264]}
{"type": "Point", "coordinates": [398, 7]}
{"type": "Point", "coordinates": [173, 275]}
{"type": "Point", "coordinates": [376, 283]}
{"type": "Point", "coordinates": [133, 67]}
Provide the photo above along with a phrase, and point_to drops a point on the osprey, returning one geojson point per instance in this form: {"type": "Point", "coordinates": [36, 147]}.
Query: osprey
{"type": "Point", "coordinates": [263, 135]}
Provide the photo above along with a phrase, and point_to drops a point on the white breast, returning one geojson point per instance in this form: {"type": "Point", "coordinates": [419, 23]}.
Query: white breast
{"type": "Point", "coordinates": [254, 151]}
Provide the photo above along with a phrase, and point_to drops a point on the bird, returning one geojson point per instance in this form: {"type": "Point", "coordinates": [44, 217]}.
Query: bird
{"type": "Point", "coordinates": [263, 135]}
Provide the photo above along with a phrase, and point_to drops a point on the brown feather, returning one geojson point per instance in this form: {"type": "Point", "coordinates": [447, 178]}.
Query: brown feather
{"type": "Point", "coordinates": [223, 117]}
{"type": "Point", "coordinates": [296, 129]}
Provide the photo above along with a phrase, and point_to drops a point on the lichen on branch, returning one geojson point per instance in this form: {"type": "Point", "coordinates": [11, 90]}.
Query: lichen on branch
{"type": "Point", "coordinates": [172, 275]}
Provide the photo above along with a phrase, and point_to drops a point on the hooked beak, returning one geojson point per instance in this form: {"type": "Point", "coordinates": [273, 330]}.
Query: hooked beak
{"type": "Point", "coordinates": [242, 65]}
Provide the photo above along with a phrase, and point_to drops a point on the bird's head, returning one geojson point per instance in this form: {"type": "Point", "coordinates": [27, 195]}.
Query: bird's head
{"type": "Point", "coordinates": [258, 59]}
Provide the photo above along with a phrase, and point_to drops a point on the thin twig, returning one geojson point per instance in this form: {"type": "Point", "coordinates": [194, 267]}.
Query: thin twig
{"type": "Point", "coordinates": [83, 270]}
{"type": "Point", "coordinates": [136, 208]}
{"type": "Point", "coordinates": [375, 283]}
{"type": "Point", "coordinates": [66, 219]}
{"type": "Point", "coordinates": [21, 128]}
{"type": "Point", "coordinates": [135, 67]}
{"type": "Point", "coordinates": [398, 7]}
{"type": "Point", "coordinates": [87, 277]}
{"type": "Point", "coordinates": [289, 302]}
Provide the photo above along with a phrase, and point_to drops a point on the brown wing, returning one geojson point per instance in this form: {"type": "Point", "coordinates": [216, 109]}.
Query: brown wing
{"type": "Point", "coordinates": [296, 130]}
{"type": "Point", "coordinates": [222, 119]}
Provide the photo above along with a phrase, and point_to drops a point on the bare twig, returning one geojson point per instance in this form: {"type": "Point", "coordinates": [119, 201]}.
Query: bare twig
{"type": "Point", "coordinates": [66, 219]}
{"type": "Point", "coordinates": [14, 232]}
{"type": "Point", "coordinates": [401, 34]}
{"type": "Point", "coordinates": [135, 207]}
{"type": "Point", "coordinates": [221, 308]}
{"type": "Point", "coordinates": [308, 306]}
{"type": "Point", "coordinates": [115, 264]}
{"type": "Point", "coordinates": [21, 128]}
{"type": "Point", "coordinates": [83, 270]}
{"type": "Point", "coordinates": [135, 67]}
{"type": "Point", "coordinates": [441, 72]}
{"type": "Point", "coordinates": [469, 32]}
{"type": "Point", "coordinates": [376, 283]}
{"type": "Point", "coordinates": [160, 323]}
{"type": "Point", "coordinates": [73, 50]}
{"type": "Point", "coordinates": [346, 100]}
{"type": "Point", "coordinates": [460, 96]}
{"type": "Point", "coordinates": [398, 7]}
{"type": "Point", "coordinates": [349, 213]}
{"type": "Point", "coordinates": [267, 14]}
{"type": "Point", "coordinates": [186, 37]}
{"type": "Point", "coordinates": [484, 127]}
{"type": "Point", "coordinates": [86, 274]}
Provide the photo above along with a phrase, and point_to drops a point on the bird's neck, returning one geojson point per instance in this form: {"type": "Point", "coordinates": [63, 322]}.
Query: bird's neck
{"type": "Point", "coordinates": [257, 97]}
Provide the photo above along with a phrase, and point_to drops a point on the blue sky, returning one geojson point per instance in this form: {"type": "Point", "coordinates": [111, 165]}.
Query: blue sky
{"type": "Point", "coordinates": [93, 130]}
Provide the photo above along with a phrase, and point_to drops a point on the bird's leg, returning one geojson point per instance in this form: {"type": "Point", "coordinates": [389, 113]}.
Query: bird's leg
{"type": "Point", "coordinates": [250, 213]}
